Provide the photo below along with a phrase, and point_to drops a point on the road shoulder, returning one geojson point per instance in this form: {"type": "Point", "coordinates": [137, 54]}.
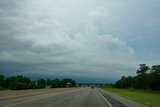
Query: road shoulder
{"type": "Point", "coordinates": [125, 101]}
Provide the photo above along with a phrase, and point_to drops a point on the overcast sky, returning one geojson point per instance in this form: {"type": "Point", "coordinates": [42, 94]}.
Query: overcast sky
{"type": "Point", "coordinates": [87, 40]}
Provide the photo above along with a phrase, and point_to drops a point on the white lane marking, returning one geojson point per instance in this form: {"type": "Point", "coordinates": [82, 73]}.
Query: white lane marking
{"type": "Point", "coordinates": [77, 96]}
{"type": "Point", "coordinates": [105, 99]}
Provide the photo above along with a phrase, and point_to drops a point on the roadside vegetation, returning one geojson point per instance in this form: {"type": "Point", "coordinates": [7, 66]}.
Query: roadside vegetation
{"type": "Point", "coordinates": [146, 78]}
{"type": "Point", "coordinates": [144, 87]}
{"type": "Point", "coordinates": [148, 97]}
{"type": "Point", "coordinates": [21, 82]}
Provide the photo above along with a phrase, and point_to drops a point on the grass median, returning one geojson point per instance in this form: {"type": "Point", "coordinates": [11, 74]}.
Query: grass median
{"type": "Point", "coordinates": [151, 98]}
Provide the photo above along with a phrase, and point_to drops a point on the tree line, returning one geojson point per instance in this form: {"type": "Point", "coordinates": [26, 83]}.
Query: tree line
{"type": "Point", "coordinates": [22, 82]}
{"type": "Point", "coordinates": [146, 78]}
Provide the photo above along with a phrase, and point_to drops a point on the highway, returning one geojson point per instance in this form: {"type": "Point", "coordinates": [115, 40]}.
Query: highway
{"type": "Point", "coordinates": [85, 97]}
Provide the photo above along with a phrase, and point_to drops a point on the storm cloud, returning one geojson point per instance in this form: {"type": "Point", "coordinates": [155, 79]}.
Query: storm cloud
{"type": "Point", "coordinates": [96, 41]}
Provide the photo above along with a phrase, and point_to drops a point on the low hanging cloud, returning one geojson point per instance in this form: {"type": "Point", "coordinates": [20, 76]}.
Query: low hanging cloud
{"type": "Point", "coordinates": [64, 39]}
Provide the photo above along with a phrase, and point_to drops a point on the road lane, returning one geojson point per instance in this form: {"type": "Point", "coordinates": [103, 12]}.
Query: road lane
{"type": "Point", "coordinates": [78, 98]}
{"type": "Point", "coordinates": [88, 98]}
{"type": "Point", "coordinates": [29, 98]}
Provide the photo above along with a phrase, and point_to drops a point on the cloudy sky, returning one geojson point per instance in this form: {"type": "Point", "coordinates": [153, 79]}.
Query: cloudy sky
{"type": "Point", "coordinates": [87, 40]}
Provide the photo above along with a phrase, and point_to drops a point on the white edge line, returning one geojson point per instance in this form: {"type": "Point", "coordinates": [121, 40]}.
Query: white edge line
{"type": "Point", "coordinates": [105, 99]}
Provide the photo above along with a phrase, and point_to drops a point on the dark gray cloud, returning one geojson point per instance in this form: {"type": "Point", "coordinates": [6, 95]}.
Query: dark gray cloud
{"type": "Point", "coordinates": [91, 40]}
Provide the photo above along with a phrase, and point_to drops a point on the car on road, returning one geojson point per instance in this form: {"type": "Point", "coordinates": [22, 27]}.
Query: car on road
{"type": "Point", "coordinates": [92, 87]}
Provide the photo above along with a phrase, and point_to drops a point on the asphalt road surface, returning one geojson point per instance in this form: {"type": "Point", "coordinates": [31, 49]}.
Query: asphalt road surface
{"type": "Point", "coordinates": [85, 97]}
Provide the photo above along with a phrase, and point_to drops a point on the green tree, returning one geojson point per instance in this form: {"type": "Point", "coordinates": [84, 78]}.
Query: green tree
{"type": "Point", "coordinates": [124, 82]}
{"type": "Point", "coordinates": [2, 81]}
{"type": "Point", "coordinates": [55, 83]}
{"type": "Point", "coordinates": [7, 82]}
{"type": "Point", "coordinates": [18, 86]}
{"type": "Point", "coordinates": [49, 82]}
{"type": "Point", "coordinates": [154, 78]}
{"type": "Point", "coordinates": [155, 68]}
{"type": "Point", "coordinates": [21, 82]}
{"type": "Point", "coordinates": [141, 81]}
{"type": "Point", "coordinates": [143, 69]}
{"type": "Point", "coordinates": [17, 82]}
{"type": "Point", "coordinates": [58, 82]}
{"type": "Point", "coordinates": [32, 85]}
{"type": "Point", "coordinates": [41, 83]}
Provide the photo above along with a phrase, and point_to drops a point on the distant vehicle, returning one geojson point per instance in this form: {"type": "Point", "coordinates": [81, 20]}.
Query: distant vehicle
{"type": "Point", "coordinates": [92, 87]}
{"type": "Point", "coordinates": [48, 87]}
{"type": "Point", "coordinates": [69, 85]}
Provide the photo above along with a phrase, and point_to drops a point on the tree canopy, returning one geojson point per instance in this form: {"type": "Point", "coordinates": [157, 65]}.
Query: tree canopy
{"type": "Point", "coordinates": [21, 82]}
{"type": "Point", "coordinates": [142, 80]}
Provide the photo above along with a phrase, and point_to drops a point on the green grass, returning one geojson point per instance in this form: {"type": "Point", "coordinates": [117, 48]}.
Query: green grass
{"type": "Point", "coordinates": [151, 98]}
